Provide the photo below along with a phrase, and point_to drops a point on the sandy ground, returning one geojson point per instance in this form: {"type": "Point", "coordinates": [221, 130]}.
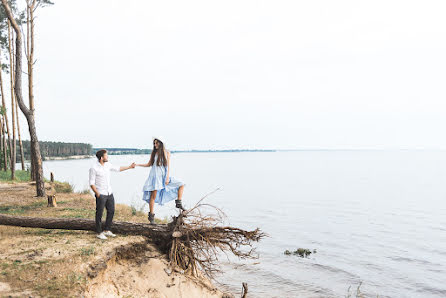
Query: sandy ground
{"type": "Point", "coordinates": [55, 263]}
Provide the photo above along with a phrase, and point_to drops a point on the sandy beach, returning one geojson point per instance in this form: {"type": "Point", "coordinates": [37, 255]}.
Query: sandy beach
{"type": "Point", "coordinates": [48, 263]}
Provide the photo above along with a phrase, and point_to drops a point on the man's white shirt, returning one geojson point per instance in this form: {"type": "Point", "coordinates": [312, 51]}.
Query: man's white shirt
{"type": "Point", "coordinates": [100, 177]}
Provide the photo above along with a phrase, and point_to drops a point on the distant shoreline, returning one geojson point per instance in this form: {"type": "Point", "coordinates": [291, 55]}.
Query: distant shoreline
{"type": "Point", "coordinates": [47, 158]}
{"type": "Point", "coordinates": [132, 151]}
{"type": "Point", "coordinates": [122, 151]}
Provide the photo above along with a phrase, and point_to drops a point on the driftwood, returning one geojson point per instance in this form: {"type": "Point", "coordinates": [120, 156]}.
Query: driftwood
{"type": "Point", "coordinates": [244, 290]}
{"type": "Point", "coordinates": [192, 240]}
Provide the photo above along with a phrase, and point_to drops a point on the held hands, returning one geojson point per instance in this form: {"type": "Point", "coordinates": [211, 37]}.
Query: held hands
{"type": "Point", "coordinates": [132, 166]}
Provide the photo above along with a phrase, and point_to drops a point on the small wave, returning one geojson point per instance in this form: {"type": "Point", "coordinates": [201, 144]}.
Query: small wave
{"type": "Point", "coordinates": [413, 260]}
{"type": "Point", "coordinates": [336, 270]}
{"type": "Point", "coordinates": [425, 289]}
{"type": "Point", "coordinates": [266, 283]}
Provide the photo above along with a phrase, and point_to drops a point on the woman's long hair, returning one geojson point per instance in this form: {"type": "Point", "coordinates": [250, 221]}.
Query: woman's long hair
{"type": "Point", "coordinates": [162, 160]}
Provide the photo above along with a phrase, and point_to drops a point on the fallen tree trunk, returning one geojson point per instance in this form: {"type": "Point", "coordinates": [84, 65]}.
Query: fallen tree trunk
{"type": "Point", "coordinates": [128, 228]}
{"type": "Point", "coordinates": [192, 240]}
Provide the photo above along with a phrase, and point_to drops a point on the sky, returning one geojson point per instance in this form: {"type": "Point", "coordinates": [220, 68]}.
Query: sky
{"type": "Point", "coordinates": [242, 74]}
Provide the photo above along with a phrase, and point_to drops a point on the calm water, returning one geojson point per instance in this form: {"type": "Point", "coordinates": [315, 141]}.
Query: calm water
{"type": "Point", "coordinates": [376, 217]}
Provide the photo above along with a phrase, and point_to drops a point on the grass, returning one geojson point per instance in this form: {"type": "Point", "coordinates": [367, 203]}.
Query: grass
{"type": "Point", "coordinates": [25, 176]}
{"type": "Point", "coordinates": [137, 211]}
{"type": "Point", "coordinates": [63, 187]}
{"type": "Point", "coordinates": [52, 262]}
{"type": "Point", "coordinates": [70, 212]}
{"type": "Point", "coordinates": [86, 191]}
{"type": "Point", "coordinates": [20, 176]}
{"type": "Point", "coordinates": [87, 251]}
{"type": "Point", "coordinates": [21, 209]}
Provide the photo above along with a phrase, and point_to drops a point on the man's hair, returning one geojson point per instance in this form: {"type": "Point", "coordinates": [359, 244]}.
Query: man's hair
{"type": "Point", "coordinates": [100, 153]}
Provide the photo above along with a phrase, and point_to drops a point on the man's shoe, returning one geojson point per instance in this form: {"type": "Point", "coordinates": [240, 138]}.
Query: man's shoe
{"type": "Point", "coordinates": [151, 218]}
{"type": "Point", "coordinates": [101, 236]}
{"type": "Point", "coordinates": [109, 233]}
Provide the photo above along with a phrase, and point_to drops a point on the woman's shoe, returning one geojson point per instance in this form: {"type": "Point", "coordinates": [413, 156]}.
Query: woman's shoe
{"type": "Point", "coordinates": [179, 205]}
{"type": "Point", "coordinates": [151, 218]}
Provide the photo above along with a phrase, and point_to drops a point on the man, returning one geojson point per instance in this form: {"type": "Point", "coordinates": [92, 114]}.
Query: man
{"type": "Point", "coordinates": [100, 184]}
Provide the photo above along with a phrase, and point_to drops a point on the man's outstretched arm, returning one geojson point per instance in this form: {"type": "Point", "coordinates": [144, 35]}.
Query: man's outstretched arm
{"type": "Point", "coordinates": [132, 166]}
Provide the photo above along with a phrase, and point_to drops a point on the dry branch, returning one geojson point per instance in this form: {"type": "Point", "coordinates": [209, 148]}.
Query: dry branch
{"type": "Point", "coordinates": [204, 237]}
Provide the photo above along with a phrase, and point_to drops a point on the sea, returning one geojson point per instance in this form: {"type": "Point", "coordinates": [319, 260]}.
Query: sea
{"type": "Point", "coordinates": [374, 220]}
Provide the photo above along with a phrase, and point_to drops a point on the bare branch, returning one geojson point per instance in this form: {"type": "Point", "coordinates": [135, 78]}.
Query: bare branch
{"type": "Point", "coordinates": [204, 238]}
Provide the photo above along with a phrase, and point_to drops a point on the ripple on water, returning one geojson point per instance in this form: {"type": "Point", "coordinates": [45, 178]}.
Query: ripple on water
{"type": "Point", "coordinates": [267, 283]}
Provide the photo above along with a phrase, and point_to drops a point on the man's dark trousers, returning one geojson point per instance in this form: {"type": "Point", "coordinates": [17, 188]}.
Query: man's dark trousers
{"type": "Point", "coordinates": [107, 201]}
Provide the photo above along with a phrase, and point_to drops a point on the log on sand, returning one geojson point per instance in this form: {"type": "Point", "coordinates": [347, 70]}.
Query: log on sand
{"type": "Point", "coordinates": [128, 228]}
{"type": "Point", "coordinates": [192, 240]}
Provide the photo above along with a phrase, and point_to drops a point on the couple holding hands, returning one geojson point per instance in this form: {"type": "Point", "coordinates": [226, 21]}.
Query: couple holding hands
{"type": "Point", "coordinates": [159, 187]}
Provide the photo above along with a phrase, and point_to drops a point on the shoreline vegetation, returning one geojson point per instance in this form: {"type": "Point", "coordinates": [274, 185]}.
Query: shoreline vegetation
{"type": "Point", "coordinates": [66, 151]}
{"type": "Point", "coordinates": [134, 151]}
{"type": "Point", "coordinates": [33, 261]}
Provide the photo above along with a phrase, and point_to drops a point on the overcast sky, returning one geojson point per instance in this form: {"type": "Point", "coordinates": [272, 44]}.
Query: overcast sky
{"type": "Point", "coordinates": [243, 74]}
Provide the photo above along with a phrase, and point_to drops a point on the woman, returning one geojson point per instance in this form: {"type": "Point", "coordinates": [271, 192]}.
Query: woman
{"type": "Point", "coordinates": [160, 187]}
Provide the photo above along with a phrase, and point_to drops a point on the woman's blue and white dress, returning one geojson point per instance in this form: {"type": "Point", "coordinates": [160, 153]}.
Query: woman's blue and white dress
{"type": "Point", "coordinates": [157, 181]}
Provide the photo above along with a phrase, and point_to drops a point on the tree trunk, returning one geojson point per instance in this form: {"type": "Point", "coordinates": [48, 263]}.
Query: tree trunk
{"type": "Point", "coordinates": [33, 167]}
{"type": "Point", "coordinates": [2, 137]}
{"type": "Point", "coordinates": [152, 231]}
{"type": "Point", "coordinates": [30, 79]}
{"type": "Point", "coordinates": [1, 133]}
{"type": "Point", "coordinates": [28, 112]}
{"type": "Point", "coordinates": [11, 64]}
{"type": "Point", "coordinates": [30, 44]}
{"type": "Point", "coordinates": [22, 156]}
{"type": "Point", "coordinates": [35, 151]}
{"type": "Point", "coordinates": [52, 202]}
{"type": "Point", "coordinates": [30, 56]}
{"type": "Point", "coordinates": [4, 104]}
{"type": "Point", "coordinates": [5, 147]}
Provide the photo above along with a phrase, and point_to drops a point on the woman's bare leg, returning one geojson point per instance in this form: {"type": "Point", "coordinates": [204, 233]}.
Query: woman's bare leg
{"type": "Point", "coordinates": [152, 200]}
{"type": "Point", "coordinates": [180, 192]}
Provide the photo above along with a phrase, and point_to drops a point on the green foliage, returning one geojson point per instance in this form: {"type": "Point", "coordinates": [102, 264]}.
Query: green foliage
{"type": "Point", "coordinates": [20, 17]}
{"type": "Point", "coordinates": [43, 3]}
{"type": "Point", "coordinates": [125, 151]}
{"type": "Point", "coordinates": [55, 149]}
{"type": "Point", "coordinates": [20, 176]}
